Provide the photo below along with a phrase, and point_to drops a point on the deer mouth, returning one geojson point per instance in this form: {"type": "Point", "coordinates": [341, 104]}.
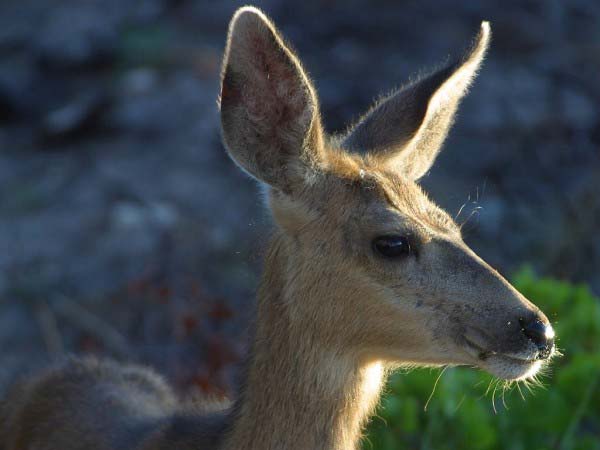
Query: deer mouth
{"type": "Point", "coordinates": [508, 366]}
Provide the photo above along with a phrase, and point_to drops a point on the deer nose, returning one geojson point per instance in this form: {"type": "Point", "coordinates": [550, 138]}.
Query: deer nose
{"type": "Point", "coordinates": [540, 333]}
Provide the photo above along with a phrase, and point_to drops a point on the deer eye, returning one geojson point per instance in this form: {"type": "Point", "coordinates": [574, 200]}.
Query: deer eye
{"type": "Point", "coordinates": [392, 246]}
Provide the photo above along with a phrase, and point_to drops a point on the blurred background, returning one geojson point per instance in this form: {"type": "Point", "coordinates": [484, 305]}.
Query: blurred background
{"type": "Point", "coordinates": [125, 230]}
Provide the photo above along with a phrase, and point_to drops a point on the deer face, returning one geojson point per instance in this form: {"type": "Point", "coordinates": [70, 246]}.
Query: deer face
{"type": "Point", "coordinates": [391, 276]}
{"type": "Point", "coordinates": [425, 297]}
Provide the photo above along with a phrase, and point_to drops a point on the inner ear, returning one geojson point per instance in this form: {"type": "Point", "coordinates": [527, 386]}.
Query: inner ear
{"type": "Point", "coordinates": [269, 111]}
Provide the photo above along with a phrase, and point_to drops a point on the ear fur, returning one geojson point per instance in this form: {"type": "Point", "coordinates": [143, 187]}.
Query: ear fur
{"type": "Point", "coordinates": [269, 109]}
{"type": "Point", "coordinates": [407, 129]}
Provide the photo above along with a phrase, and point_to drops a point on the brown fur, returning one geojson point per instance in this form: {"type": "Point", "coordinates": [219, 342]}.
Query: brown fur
{"type": "Point", "coordinates": [333, 316]}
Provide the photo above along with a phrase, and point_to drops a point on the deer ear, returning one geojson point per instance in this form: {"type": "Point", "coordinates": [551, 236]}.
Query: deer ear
{"type": "Point", "coordinates": [408, 128]}
{"type": "Point", "coordinates": [269, 109]}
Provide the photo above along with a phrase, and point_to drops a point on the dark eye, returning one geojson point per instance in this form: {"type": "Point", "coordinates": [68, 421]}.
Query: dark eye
{"type": "Point", "coordinates": [392, 246]}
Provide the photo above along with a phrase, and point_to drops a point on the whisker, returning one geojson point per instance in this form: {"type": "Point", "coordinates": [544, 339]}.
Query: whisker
{"type": "Point", "coordinates": [473, 212]}
{"type": "Point", "coordinates": [520, 391]}
{"type": "Point", "coordinates": [434, 386]}
{"type": "Point", "coordinates": [478, 383]}
{"type": "Point", "coordinates": [494, 398]}
{"type": "Point", "coordinates": [462, 400]}
{"type": "Point", "coordinates": [505, 386]}
{"type": "Point", "coordinates": [488, 388]}
{"type": "Point", "coordinates": [527, 384]}
{"type": "Point", "coordinates": [460, 210]}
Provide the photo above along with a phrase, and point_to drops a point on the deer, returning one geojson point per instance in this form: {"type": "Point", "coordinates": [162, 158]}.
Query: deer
{"type": "Point", "coordinates": [363, 274]}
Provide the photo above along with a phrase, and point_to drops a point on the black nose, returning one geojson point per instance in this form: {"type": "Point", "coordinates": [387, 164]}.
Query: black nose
{"type": "Point", "coordinates": [540, 333]}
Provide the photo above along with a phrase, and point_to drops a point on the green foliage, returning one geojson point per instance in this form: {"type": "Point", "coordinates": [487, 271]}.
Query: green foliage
{"type": "Point", "coordinates": [471, 410]}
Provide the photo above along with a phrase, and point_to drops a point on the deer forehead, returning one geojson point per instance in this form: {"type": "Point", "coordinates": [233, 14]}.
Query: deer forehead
{"type": "Point", "coordinates": [413, 204]}
{"type": "Point", "coordinates": [362, 199]}
{"type": "Point", "coordinates": [392, 204]}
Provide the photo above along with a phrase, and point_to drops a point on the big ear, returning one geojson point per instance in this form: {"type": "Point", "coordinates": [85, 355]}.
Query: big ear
{"type": "Point", "coordinates": [407, 129]}
{"type": "Point", "coordinates": [269, 109]}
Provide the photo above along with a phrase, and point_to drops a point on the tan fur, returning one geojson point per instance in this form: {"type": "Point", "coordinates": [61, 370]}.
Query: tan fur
{"type": "Point", "coordinates": [333, 315]}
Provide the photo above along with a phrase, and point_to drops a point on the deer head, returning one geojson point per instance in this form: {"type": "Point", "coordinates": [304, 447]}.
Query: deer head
{"type": "Point", "coordinates": [373, 269]}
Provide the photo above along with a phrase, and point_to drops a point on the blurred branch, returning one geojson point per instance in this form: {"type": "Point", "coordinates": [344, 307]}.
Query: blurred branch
{"type": "Point", "coordinates": [567, 440]}
{"type": "Point", "coordinates": [114, 341]}
{"type": "Point", "coordinates": [50, 332]}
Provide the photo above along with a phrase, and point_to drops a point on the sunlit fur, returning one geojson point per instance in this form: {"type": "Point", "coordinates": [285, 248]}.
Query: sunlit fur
{"type": "Point", "coordinates": [333, 315]}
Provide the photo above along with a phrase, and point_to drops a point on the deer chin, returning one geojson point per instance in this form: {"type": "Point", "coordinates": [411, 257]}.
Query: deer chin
{"type": "Point", "coordinates": [512, 367]}
{"type": "Point", "coordinates": [509, 368]}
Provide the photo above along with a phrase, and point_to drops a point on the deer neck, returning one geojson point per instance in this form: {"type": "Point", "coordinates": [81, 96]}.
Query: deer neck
{"type": "Point", "coordinates": [300, 393]}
